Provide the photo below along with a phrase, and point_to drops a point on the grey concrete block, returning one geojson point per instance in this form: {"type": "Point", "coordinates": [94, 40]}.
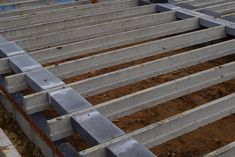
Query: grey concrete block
{"type": "Point", "coordinates": [42, 79]}
{"type": "Point", "coordinates": [229, 18]}
{"type": "Point", "coordinates": [23, 63]}
{"type": "Point", "coordinates": [10, 49]}
{"type": "Point", "coordinates": [94, 127]}
{"type": "Point", "coordinates": [208, 23]}
{"type": "Point", "coordinates": [67, 100]}
{"type": "Point", "coordinates": [128, 148]}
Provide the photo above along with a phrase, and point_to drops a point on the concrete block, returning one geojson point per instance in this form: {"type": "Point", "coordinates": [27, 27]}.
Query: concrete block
{"type": "Point", "coordinates": [10, 49]}
{"type": "Point", "coordinates": [208, 22]}
{"type": "Point", "coordinates": [94, 127]}
{"type": "Point", "coordinates": [128, 148]}
{"type": "Point", "coordinates": [229, 18]}
{"type": "Point", "coordinates": [67, 100]}
{"type": "Point", "coordinates": [42, 79]}
{"type": "Point", "coordinates": [23, 63]}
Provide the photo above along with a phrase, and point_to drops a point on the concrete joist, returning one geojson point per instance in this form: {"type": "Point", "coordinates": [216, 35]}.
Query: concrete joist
{"type": "Point", "coordinates": [7, 149]}
{"type": "Point", "coordinates": [226, 151]}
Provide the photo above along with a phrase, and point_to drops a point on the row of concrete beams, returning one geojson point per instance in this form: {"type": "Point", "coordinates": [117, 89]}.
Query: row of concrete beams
{"type": "Point", "coordinates": [37, 102]}
{"type": "Point", "coordinates": [48, 8]}
{"type": "Point", "coordinates": [40, 8]}
{"type": "Point", "coordinates": [16, 34]}
{"type": "Point", "coordinates": [53, 54]}
{"type": "Point", "coordinates": [92, 126]}
{"type": "Point", "coordinates": [7, 149]}
{"type": "Point", "coordinates": [17, 82]}
{"type": "Point", "coordinates": [170, 128]}
{"type": "Point", "coordinates": [149, 97]}
{"type": "Point", "coordinates": [62, 69]}
{"type": "Point", "coordinates": [64, 47]}
{"type": "Point", "coordinates": [14, 24]}
{"type": "Point", "coordinates": [225, 113]}
{"type": "Point", "coordinates": [80, 21]}
{"type": "Point", "coordinates": [33, 6]}
{"type": "Point", "coordinates": [226, 151]}
{"type": "Point", "coordinates": [63, 13]}
{"type": "Point", "coordinates": [59, 24]}
{"type": "Point", "coordinates": [11, 6]}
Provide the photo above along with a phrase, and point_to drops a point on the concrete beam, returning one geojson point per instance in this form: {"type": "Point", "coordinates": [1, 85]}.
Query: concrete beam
{"type": "Point", "coordinates": [7, 149]}
{"type": "Point", "coordinates": [226, 151]}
